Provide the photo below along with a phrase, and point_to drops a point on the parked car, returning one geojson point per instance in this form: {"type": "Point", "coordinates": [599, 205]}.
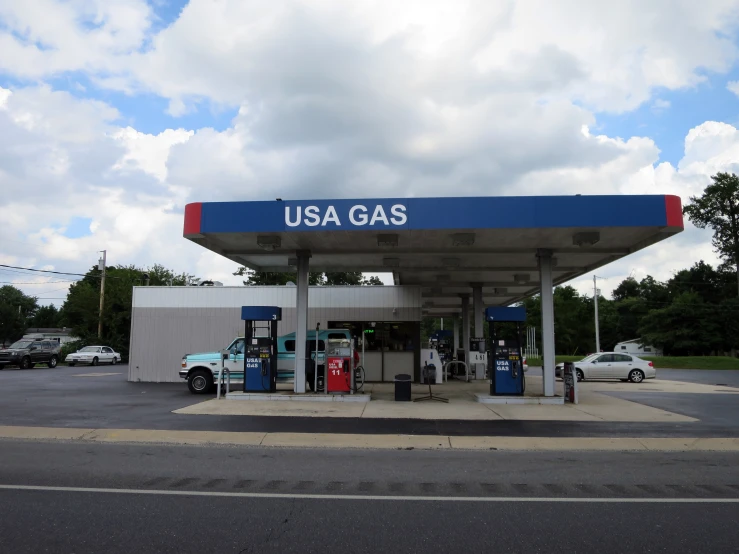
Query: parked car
{"type": "Point", "coordinates": [201, 370]}
{"type": "Point", "coordinates": [26, 353]}
{"type": "Point", "coordinates": [94, 355]}
{"type": "Point", "coordinates": [525, 364]}
{"type": "Point", "coordinates": [612, 365]}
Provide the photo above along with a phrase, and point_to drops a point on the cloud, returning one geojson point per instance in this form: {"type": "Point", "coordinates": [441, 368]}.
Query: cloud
{"type": "Point", "coordinates": [733, 86]}
{"type": "Point", "coordinates": [340, 99]}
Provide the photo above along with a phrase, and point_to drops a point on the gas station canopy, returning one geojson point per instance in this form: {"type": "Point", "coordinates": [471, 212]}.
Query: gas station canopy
{"type": "Point", "coordinates": [447, 246]}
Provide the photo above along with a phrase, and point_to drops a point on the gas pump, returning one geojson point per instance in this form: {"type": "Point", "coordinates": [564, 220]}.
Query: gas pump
{"type": "Point", "coordinates": [339, 366]}
{"type": "Point", "coordinates": [260, 339]}
{"type": "Point", "coordinates": [505, 362]}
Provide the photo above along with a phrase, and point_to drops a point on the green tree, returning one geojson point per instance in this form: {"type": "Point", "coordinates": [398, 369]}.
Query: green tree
{"type": "Point", "coordinates": [16, 309]}
{"type": "Point", "coordinates": [45, 316]}
{"type": "Point", "coordinates": [718, 208]}
{"type": "Point", "coordinates": [80, 312]}
{"type": "Point", "coordinates": [687, 326]}
{"type": "Point", "coordinates": [255, 278]}
{"type": "Point", "coordinates": [264, 278]}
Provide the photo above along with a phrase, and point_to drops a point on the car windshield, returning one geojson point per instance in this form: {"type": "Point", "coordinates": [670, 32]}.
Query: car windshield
{"type": "Point", "coordinates": [21, 344]}
{"type": "Point", "coordinates": [590, 358]}
{"type": "Point", "coordinates": [90, 349]}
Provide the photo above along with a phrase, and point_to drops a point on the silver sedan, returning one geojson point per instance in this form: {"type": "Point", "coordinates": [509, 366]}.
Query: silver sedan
{"type": "Point", "coordinates": [612, 365]}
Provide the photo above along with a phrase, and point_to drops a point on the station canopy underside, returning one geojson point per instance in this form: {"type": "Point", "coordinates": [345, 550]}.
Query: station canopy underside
{"type": "Point", "coordinates": [446, 246]}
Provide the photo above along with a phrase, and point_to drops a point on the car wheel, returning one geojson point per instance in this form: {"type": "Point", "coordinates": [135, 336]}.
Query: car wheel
{"type": "Point", "coordinates": [95, 361]}
{"type": "Point", "coordinates": [580, 375]}
{"type": "Point", "coordinates": [200, 382]}
{"type": "Point", "coordinates": [52, 362]}
{"type": "Point", "coordinates": [636, 376]}
{"type": "Point", "coordinates": [115, 361]}
{"type": "Point", "coordinates": [25, 363]}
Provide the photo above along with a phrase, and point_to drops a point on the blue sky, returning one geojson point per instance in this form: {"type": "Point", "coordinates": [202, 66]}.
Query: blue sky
{"type": "Point", "coordinates": [709, 101]}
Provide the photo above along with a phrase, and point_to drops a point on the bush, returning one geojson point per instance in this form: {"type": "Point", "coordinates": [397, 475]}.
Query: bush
{"type": "Point", "coordinates": [70, 347]}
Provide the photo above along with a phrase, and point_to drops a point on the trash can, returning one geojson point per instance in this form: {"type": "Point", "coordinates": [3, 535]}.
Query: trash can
{"type": "Point", "coordinates": [403, 387]}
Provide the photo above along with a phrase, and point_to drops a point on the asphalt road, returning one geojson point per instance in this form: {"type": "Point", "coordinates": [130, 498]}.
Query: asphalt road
{"type": "Point", "coordinates": [362, 501]}
{"type": "Point", "coordinates": [71, 397]}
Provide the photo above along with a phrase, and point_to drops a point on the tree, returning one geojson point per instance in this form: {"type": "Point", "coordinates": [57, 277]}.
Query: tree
{"type": "Point", "coordinates": [45, 316]}
{"type": "Point", "coordinates": [16, 309]}
{"type": "Point", "coordinates": [254, 278]}
{"type": "Point", "coordinates": [80, 311]}
{"type": "Point", "coordinates": [718, 208]}
{"type": "Point", "coordinates": [686, 327]}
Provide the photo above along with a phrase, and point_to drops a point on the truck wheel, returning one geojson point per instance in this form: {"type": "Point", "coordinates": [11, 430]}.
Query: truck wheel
{"type": "Point", "coordinates": [200, 382]}
{"type": "Point", "coordinates": [52, 362]}
{"type": "Point", "coordinates": [25, 363]}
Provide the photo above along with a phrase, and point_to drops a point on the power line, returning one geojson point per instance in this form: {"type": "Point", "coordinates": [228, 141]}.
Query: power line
{"type": "Point", "coordinates": [43, 270]}
{"type": "Point", "coordinates": [35, 282]}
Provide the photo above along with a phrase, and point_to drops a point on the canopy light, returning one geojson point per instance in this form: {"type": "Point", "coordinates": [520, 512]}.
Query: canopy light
{"type": "Point", "coordinates": [463, 239]}
{"type": "Point", "coordinates": [522, 277]}
{"type": "Point", "coordinates": [391, 262]}
{"type": "Point", "coordinates": [387, 240]}
{"type": "Point", "coordinates": [268, 242]}
{"type": "Point", "coordinates": [586, 238]}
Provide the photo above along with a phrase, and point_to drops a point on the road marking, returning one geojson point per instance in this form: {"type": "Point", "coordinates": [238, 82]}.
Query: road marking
{"type": "Point", "coordinates": [95, 374]}
{"type": "Point", "coordinates": [375, 497]}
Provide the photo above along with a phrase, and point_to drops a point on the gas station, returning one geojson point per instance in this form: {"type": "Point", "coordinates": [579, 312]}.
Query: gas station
{"type": "Point", "coordinates": [468, 257]}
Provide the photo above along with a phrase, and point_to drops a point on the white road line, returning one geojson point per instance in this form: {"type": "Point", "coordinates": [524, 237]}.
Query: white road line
{"type": "Point", "coordinates": [375, 497]}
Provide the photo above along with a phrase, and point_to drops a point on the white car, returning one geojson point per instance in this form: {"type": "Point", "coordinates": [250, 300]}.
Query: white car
{"type": "Point", "coordinates": [94, 355]}
{"type": "Point", "coordinates": [611, 365]}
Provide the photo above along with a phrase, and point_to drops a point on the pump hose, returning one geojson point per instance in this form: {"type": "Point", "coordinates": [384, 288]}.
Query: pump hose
{"type": "Point", "coordinates": [349, 381]}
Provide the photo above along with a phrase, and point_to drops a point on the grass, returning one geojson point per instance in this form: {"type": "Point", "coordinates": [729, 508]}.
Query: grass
{"type": "Point", "coordinates": [672, 362]}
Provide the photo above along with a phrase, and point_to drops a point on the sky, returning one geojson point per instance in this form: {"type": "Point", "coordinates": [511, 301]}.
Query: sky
{"type": "Point", "coordinates": [116, 113]}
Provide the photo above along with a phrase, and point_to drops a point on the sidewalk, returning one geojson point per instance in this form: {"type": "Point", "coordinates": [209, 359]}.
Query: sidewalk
{"type": "Point", "coordinates": [463, 404]}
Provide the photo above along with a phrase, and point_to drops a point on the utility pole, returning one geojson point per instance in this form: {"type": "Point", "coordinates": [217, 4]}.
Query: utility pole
{"type": "Point", "coordinates": [595, 298]}
{"type": "Point", "coordinates": [101, 266]}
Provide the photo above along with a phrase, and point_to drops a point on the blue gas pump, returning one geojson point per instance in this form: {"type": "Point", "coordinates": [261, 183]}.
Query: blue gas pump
{"type": "Point", "coordinates": [505, 362]}
{"type": "Point", "coordinates": [260, 342]}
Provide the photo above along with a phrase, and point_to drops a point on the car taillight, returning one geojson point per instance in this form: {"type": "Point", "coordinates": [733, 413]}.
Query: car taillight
{"type": "Point", "coordinates": [651, 364]}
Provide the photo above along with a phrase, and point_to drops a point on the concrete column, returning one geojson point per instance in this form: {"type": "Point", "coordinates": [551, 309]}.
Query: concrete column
{"type": "Point", "coordinates": [455, 344]}
{"type": "Point", "coordinates": [466, 327]}
{"type": "Point", "coordinates": [547, 318]}
{"type": "Point", "coordinates": [478, 370]}
{"type": "Point", "coordinates": [478, 310]}
{"type": "Point", "coordinates": [301, 331]}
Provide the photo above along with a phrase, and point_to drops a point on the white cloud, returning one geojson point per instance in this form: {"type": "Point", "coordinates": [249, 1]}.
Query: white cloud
{"type": "Point", "coordinates": [733, 86]}
{"type": "Point", "coordinates": [340, 99]}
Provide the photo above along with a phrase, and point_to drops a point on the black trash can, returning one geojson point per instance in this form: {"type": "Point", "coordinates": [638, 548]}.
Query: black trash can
{"type": "Point", "coordinates": [403, 387]}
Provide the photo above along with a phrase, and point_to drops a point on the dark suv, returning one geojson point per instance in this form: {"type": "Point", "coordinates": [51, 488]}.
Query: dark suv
{"type": "Point", "coordinates": [26, 353]}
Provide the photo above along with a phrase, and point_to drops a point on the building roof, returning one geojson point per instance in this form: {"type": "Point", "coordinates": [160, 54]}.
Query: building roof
{"type": "Point", "coordinates": [444, 245]}
{"type": "Point", "coordinates": [48, 331]}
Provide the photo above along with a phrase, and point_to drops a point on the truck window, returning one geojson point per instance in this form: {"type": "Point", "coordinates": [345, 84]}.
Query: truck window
{"type": "Point", "coordinates": [289, 346]}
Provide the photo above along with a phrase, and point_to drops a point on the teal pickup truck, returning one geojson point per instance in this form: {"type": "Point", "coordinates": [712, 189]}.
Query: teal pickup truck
{"type": "Point", "coordinates": [201, 370]}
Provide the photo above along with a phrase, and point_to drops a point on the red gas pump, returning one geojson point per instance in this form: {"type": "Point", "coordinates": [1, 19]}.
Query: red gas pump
{"type": "Point", "coordinates": [340, 366]}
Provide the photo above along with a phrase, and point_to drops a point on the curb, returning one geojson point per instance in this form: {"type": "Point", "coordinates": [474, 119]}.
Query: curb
{"type": "Point", "coordinates": [385, 442]}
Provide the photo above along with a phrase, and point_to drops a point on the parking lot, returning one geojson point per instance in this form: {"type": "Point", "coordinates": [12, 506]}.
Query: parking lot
{"type": "Point", "coordinates": [100, 397]}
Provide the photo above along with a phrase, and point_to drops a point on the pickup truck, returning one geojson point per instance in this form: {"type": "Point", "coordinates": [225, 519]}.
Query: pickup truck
{"type": "Point", "coordinates": [201, 370]}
